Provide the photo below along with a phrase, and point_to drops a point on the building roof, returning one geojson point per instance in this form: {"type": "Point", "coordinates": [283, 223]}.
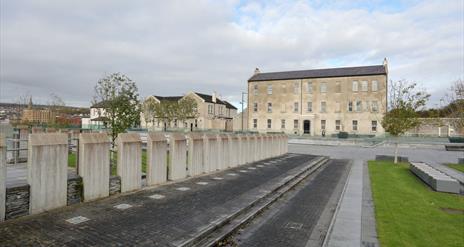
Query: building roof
{"type": "Point", "coordinates": [101, 104]}
{"type": "Point", "coordinates": [169, 98]}
{"type": "Point", "coordinates": [321, 73]}
{"type": "Point", "coordinates": [209, 99]}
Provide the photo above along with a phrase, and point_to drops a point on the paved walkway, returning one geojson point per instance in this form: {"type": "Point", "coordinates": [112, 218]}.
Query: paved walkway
{"type": "Point", "coordinates": [351, 227]}
{"type": "Point", "coordinates": [161, 216]}
{"type": "Point", "coordinates": [347, 226]}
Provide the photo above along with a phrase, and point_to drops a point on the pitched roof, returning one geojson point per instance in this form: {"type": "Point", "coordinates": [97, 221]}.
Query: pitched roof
{"type": "Point", "coordinates": [321, 73]}
{"type": "Point", "coordinates": [169, 98]}
{"type": "Point", "coordinates": [101, 104]}
{"type": "Point", "coordinates": [209, 99]}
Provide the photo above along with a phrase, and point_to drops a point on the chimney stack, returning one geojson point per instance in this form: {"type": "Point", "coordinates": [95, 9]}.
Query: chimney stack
{"type": "Point", "coordinates": [257, 71]}
{"type": "Point", "coordinates": [214, 97]}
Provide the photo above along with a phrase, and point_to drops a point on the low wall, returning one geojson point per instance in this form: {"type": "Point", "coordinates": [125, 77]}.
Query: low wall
{"type": "Point", "coordinates": [94, 164]}
{"type": "Point", "coordinates": [196, 154]}
{"type": "Point", "coordinates": [178, 154]}
{"type": "Point", "coordinates": [157, 151]}
{"type": "Point", "coordinates": [129, 166]}
{"type": "Point", "coordinates": [47, 171]}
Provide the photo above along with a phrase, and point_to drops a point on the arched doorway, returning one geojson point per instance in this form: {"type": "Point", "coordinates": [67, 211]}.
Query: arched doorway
{"type": "Point", "coordinates": [307, 127]}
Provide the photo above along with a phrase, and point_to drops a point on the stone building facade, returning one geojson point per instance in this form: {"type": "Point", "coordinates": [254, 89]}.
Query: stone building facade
{"type": "Point", "coordinates": [37, 115]}
{"type": "Point", "coordinates": [319, 101]}
{"type": "Point", "coordinates": [213, 114]}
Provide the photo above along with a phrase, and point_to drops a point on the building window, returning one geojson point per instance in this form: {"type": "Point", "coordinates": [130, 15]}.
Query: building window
{"type": "Point", "coordinates": [221, 110]}
{"type": "Point", "coordinates": [295, 107]}
{"type": "Point", "coordinates": [364, 86]}
{"type": "Point", "coordinates": [255, 107]}
{"type": "Point", "coordinates": [355, 125]}
{"type": "Point", "coordinates": [338, 87]}
{"type": "Point", "coordinates": [337, 125]}
{"type": "Point", "coordinates": [196, 123]}
{"type": "Point", "coordinates": [269, 89]}
{"type": "Point", "coordinates": [269, 123]}
{"type": "Point", "coordinates": [322, 124]}
{"type": "Point", "coordinates": [337, 107]}
{"type": "Point", "coordinates": [295, 124]}
{"type": "Point", "coordinates": [375, 86]}
{"type": "Point", "coordinates": [269, 107]}
{"type": "Point", "coordinates": [310, 107]}
{"type": "Point", "coordinates": [210, 109]}
{"type": "Point", "coordinates": [323, 106]}
{"type": "Point", "coordinates": [355, 86]}
{"type": "Point", "coordinates": [255, 123]}
{"type": "Point", "coordinates": [374, 126]}
{"type": "Point", "coordinates": [282, 124]}
{"type": "Point", "coordinates": [350, 106]}
{"type": "Point", "coordinates": [296, 87]}
{"type": "Point", "coordinates": [323, 87]}
{"type": "Point", "coordinates": [358, 106]}
{"type": "Point", "coordinates": [375, 106]}
{"type": "Point", "coordinates": [255, 90]}
{"type": "Point", "coordinates": [309, 87]}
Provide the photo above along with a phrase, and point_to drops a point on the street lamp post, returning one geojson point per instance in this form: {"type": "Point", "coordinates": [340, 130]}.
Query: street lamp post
{"type": "Point", "coordinates": [242, 103]}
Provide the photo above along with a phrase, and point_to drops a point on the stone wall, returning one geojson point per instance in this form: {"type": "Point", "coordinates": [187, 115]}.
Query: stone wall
{"type": "Point", "coordinates": [75, 190]}
{"type": "Point", "coordinates": [115, 185]}
{"type": "Point", "coordinates": [17, 201]}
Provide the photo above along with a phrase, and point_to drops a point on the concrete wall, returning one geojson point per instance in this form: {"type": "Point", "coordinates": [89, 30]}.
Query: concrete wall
{"type": "Point", "coordinates": [213, 152]}
{"type": "Point", "coordinates": [129, 161]}
{"type": "Point", "coordinates": [224, 154]}
{"type": "Point", "coordinates": [94, 164]}
{"type": "Point", "coordinates": [178, 154]}
{"type": "Point", "coordinates": [47, 171]}
{"type": "Point", "coordinates": [157, 162]}
{"type": "Point", "coordinates": [196, 154]}
{"type": "Point", "coordinates": [2, 177]}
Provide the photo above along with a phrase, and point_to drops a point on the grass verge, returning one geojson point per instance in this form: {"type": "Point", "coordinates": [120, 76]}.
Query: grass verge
{"type": "Point", "coordinates": [409, 213]}
{"type": "Point", "coordinates": [72, 161]}
{"type": "Point", "coordinates": [459, 167]}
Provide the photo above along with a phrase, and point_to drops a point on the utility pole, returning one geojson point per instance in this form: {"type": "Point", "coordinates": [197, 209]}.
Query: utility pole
{"type": "Point", "coordinates": [242, 103]}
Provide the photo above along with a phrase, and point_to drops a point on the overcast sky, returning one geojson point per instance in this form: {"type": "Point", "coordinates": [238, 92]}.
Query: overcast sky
{"type": "Point", "coordinates": [172, 47]}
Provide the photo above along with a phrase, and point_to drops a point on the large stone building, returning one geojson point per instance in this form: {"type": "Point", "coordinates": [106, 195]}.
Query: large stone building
{"type": "Point", "coordinates": [319, 101]}
{"type": "Point", "coordinates": [213, 114]}
{"type": "Point", "coordinates": [37, 115]}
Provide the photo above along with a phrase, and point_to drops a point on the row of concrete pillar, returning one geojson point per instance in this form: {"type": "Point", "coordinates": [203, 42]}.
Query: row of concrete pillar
{"type": "Point", "coordinates": [170, 156]}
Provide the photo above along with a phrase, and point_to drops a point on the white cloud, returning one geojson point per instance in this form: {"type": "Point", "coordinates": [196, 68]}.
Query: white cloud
{"type": "Point", "coordinates": [172, 47]}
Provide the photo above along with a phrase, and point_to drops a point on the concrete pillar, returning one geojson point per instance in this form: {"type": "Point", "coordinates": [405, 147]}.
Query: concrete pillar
{"type": "Point", "coordinates": [252, 148]}
{"type": "Point", "coordinates": [224, 154]}
{"type": "Point", "coordinates": [47, 166]}
{"type": "Point", "coordinates": [157, 158]}
{"type": "Point", "coordinates": [94, 165]}
{"type": "Point", "coordinates": [249, 153]}
{"type": "Point", "coordinates": [2, 177]}
{"type": "Point", "coordinates": [213, 151]}
{"type": "Point", "coordinates": [242, 151]}
{"type": "Point", "coordinates": [259, 148]}
{"type": "Point", "coordinates": [178, 153]}
{"type": "Point", "coordinates": [196, 152]}
{"type": "Point", "coordinates": [129, 161]}
{"type": "Point", "coordinates": [232, 150]}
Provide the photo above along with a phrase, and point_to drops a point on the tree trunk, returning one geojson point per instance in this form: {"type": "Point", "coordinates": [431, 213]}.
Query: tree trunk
{"type": "Point", "coordinates": [396, 152]}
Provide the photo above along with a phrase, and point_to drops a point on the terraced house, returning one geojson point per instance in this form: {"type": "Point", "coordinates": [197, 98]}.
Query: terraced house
{"type": "Point", "coordinates": [319, 101]}
{"type": "Point", "coordinates": [213, 114]}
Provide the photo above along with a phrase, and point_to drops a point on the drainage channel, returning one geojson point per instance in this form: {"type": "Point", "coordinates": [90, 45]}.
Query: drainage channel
{"type": "Point", "coordinates": [219, 231]}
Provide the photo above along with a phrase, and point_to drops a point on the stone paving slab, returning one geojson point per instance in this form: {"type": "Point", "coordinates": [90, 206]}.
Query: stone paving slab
{"type": "Point", "coordinates": [292, 221]}
{"type": "Point", "coordinates": [161, 220]}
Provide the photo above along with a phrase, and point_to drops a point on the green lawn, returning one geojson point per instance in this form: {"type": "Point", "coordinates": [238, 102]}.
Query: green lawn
{"type": "Point", "coordinates": [72, 162]}
{"type": "Point", "coordinates": [459, 167]}
{"type": "Point", "coordinates": [409, 213]}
